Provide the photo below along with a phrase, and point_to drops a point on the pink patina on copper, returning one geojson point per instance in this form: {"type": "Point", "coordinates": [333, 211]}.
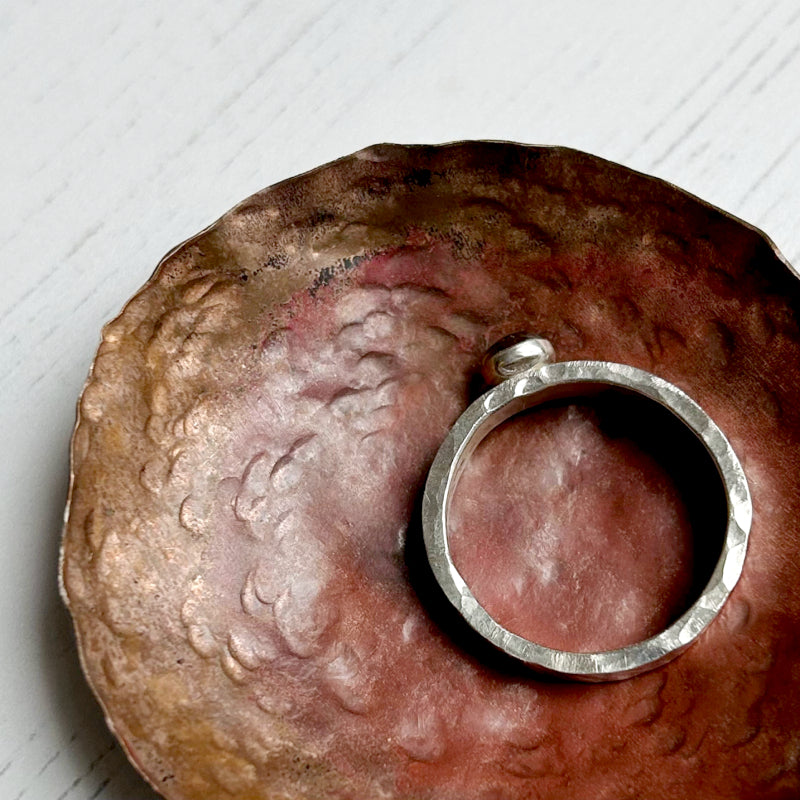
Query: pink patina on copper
{"type": "Point", "coordinates": [242, 550]}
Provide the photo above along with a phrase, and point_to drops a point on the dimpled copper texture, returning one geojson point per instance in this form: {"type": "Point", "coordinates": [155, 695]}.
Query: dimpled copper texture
{"type": "Point", "coordinates": [242, 550]}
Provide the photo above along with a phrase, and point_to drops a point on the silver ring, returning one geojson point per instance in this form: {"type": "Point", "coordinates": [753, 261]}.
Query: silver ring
{"type": "Point", "coordinates": [525, 375]}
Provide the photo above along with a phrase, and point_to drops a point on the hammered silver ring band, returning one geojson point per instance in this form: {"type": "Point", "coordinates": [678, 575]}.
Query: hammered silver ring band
{"type": "Point", "coordinates": [525, 374]}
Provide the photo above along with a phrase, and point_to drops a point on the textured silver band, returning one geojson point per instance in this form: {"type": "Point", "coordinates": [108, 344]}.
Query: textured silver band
{"type": "Point", "coordinates": [536, 381]}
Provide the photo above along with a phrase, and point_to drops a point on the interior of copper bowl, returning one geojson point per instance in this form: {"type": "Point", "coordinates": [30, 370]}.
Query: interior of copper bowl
{"type": "Point", "coordinates": [256, 431]}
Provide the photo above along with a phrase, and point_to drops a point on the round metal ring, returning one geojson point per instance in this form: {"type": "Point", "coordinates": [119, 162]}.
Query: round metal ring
{"type": "Point", "coordinates": [536, 381]}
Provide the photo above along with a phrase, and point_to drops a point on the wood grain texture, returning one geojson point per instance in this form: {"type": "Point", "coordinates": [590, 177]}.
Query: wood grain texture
{"type": "Point", "coordinates": [128, 127]}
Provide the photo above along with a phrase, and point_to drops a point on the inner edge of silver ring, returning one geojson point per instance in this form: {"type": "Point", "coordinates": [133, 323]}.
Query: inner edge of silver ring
{"type": "Point", "coordinates": [491, 410]}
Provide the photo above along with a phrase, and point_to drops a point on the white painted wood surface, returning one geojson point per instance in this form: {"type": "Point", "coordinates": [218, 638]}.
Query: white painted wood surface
{"type": "Point", "coordinates": [128, 126]}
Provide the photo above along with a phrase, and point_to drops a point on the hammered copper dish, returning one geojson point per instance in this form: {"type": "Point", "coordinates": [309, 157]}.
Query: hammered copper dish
{"type": "Point", "coordinates": [241, 555]}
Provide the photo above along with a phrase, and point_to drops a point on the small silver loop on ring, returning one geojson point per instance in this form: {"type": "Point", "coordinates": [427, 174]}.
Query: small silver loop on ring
{"type": "Point", "coordinates": [514, 354]}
